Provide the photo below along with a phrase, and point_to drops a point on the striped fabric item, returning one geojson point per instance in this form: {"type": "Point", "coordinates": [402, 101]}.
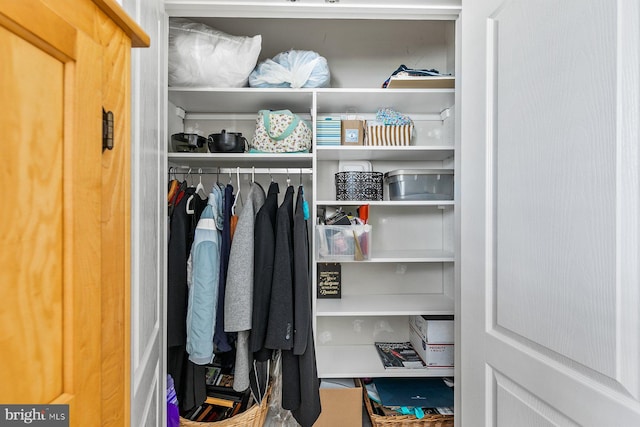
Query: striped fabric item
{"type": "Point", "coordinates": [389, 135]}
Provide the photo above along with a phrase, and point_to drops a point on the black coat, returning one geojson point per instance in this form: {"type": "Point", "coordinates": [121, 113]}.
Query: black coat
{"type": "Point", "coordinates": [308, 409]}
{"type": "Point", "coordinates": [301, 278]}
{"type": "Point", "coordinates": [180, 234]}
{"type": "Point", "coordinates": [188, 378]}
{"type": "Point", "coordinates": [280, 326]}
{"type": "Point", "coordinates": [264, 247]}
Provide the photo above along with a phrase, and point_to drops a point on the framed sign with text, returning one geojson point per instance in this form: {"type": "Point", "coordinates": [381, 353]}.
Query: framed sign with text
{"type": "Point", "coordinates": [329, 280]}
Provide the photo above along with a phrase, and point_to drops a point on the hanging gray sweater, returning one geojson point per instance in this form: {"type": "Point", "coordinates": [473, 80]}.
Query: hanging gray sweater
{"type": "Point", "coordinates": [238, 302]}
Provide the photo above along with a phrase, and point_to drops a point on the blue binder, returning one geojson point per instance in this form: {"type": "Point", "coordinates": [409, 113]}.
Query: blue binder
{"type": "Point", "coordinates": [414, 392]}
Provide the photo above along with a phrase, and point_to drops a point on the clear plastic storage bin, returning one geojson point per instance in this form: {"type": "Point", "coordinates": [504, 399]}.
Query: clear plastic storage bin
{"type": "Point", "coordinates": [420, 184]}
{"type": "Point", "coordinates": [342, 242]}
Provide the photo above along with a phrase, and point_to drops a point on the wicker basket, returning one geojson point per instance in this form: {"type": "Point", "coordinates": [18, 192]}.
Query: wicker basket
{"type": "Point", "coordinates": [252, 417]}
{"type": "Point", "coordinates": [429, 420]}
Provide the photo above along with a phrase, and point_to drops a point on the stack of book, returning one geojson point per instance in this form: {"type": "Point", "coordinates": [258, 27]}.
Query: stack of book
{"type": "Point", "coordinates": [222, 400]}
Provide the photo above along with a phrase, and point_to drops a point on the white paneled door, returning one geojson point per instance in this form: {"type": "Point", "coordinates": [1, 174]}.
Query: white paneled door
{"type": "Point", "coordinates": [550, 206]}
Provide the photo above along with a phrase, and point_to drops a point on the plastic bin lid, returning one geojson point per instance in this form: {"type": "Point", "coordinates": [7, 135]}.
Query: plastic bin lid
{"type": "Point", "coordinates": [354, 166]}
{"type": "Point", "coordinates": [418, 172]}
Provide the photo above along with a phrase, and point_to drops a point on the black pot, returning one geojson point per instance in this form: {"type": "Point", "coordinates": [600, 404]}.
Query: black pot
{"type": "Point", "coordinates": [188, 143]}
{"type": "Point", "coordinates": [227, 142]}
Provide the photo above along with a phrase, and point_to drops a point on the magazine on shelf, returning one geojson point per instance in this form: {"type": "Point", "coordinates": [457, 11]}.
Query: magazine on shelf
{"type": "Point", "coordinates": [399, 355]}
{"type": "Point", "coordinates": [421, 82]}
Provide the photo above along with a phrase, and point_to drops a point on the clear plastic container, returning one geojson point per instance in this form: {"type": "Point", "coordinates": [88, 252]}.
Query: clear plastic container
{"type": "Point", "coordinates": [342, 242]}
{"type": "Point", "coordinates": [420, 184]}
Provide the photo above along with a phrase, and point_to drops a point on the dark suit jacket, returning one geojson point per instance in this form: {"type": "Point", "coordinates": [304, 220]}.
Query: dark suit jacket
{"type": "Point", "coordinates": [309, 407]}
{"type": "Point", "coordinates": [264, 248]}
{"type": "Point", "coordinates": [303, 357]}
{"type": "Point", "coordinates": [280, 326]}
{"type": "Point", "coordinates": [301, 278]}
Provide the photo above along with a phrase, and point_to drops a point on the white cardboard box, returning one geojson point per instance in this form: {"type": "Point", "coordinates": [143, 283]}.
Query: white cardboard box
{"type": "Point", "coordinates": [434, 329]}
{"type": "Point", "coordinates": [434, 355]}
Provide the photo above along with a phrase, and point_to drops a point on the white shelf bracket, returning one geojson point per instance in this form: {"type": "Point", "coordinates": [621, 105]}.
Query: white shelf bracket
{"type": "Point", "coordinates": [180, 113]}
{"type": "Point", "coordinates": [445, 114]}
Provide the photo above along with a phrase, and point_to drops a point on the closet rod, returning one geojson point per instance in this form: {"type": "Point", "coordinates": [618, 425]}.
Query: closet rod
{"type": "Point", "coordinates": [214, 170]}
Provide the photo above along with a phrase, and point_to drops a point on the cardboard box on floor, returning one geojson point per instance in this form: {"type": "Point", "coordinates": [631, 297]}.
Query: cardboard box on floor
{"type": "Point", "coordinates": [341, 402]}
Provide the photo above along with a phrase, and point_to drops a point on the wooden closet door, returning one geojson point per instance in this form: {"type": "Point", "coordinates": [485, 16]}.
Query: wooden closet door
{"type": "Point", "coordinates": [50, 90]}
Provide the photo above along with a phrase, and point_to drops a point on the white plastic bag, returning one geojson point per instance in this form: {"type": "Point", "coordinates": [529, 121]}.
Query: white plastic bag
{"type": "Point", "coordinates": [293, 68]}
{"type": "Point", "coordinates": [202, 56]}
{"type": "Point", "coordinates": [277, 416]}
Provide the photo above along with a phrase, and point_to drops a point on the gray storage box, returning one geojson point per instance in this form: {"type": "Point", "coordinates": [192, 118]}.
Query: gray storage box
{"type": "Point", "coordinates": [420, 184]}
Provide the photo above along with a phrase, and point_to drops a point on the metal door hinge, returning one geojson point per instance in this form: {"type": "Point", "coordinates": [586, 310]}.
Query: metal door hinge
{"type": "Point", "coordinates": [107, 130]}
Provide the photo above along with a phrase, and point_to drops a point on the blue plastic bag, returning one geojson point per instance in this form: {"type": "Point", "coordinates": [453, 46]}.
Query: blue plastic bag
{"type": "Point", "coordinates": [293, 68]}
{"type": "Point", "coordinates": [173, 413]}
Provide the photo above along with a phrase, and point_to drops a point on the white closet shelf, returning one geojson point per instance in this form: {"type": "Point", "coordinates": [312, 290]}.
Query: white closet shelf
{"type": "Point", "coordinates": [442, 203]}
{"type": "Point", "coordinates": [275, 160]}
{"type": "Point", "coordinates": [319, 9]}
{"type": "Point", "coordinates": [409, 153]}
{"type": "Point", "coordinates": [386, 305]}
{"type": "Point", "coordinates": [411, 256]}
{"type": "Point", "coordinates": [342, 361]}
{"type": "Point", "coordinates": [362, 100]}
{"type": "Point", "coordinates": [329, 100]}
{"type": "Point", "coordinates": [240, 100]}
{"type": "Point", "coordinates": [401, 256]}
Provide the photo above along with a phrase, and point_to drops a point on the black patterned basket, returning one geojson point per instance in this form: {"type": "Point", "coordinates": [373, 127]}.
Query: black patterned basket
{"type": "Point", "coordinates": [359, 185]}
